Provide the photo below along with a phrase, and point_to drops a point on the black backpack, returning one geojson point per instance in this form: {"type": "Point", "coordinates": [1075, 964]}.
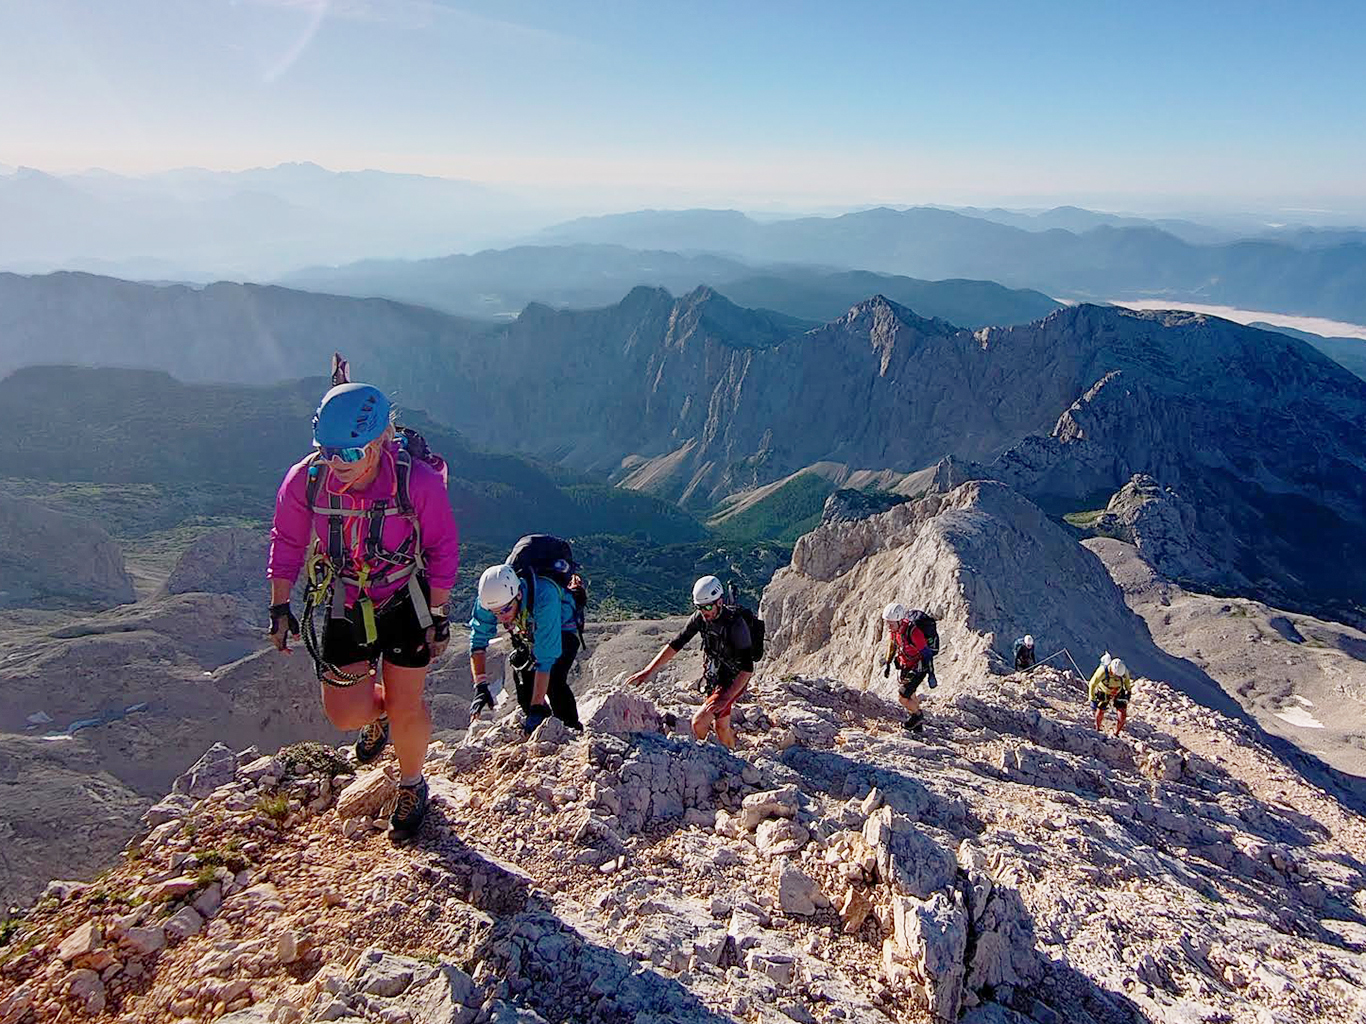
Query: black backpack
{"type": "Point", "coordinates": [549, 557]}
{"type": "Point", "coordinates": [924, 621]}
{"type": "Point", "coordinates": [752, 620]}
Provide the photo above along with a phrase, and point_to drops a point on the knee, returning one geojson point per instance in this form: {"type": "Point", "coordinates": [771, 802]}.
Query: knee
{"type": "Point", "coordinates": [413, 709]}
{"type": "Point", "coordinates": [349, 716]}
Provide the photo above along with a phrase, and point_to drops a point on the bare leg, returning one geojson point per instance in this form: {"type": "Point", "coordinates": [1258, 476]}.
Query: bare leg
{"type": "Point", "coordinates": [725, 733]}
{"type": "Point", "coordinates": [701, 723]}
{"type": "Point", "coordinates": [351, 707]}
{"type": "Point", "coordinates": [1100, 718]}
{"type": "Point", "coordinates": [911, 703]}
{"type": "Point", "coordinates": [1119, 726]}
{"type": "Point", "coordinates": [410, 719]}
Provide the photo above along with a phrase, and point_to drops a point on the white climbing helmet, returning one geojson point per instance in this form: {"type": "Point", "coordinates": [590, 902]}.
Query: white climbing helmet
{"type": "Point", "coordinates": [1117, 668]}
{"type": "Point", "coordinates": [894, 612]}
{"type": "Point", "coordinates": [498, 586]}
{"type": "Point", "coordinates": [707, 590]}
{"type": "Point", "coordinates": [1029, 640]}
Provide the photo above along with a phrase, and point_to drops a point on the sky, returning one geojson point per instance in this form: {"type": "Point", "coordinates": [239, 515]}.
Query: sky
{"type": "Point", "coordinates": [1149, 107]}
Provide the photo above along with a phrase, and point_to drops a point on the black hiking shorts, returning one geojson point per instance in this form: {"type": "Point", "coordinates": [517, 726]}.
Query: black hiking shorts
{"type": "Point", "coordinates": [911, 678]}
{"type": "Point", "coordinates": [1104, 700]}
{"type": "Point", "coordinates": [400, 639]}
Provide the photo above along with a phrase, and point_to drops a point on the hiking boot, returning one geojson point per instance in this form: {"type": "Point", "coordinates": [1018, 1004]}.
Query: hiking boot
{"type": "Point", "coordinates": [410, 809]}
{"type": "Point", "coordinates": [916, 723]}
{"type": "Point", "coordinates": [371, 740]}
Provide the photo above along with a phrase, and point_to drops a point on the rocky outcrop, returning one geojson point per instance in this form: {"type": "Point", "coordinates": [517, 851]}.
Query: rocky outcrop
{"type": "Point", "coordinates": [226, 561]}
{"type": "Point", "coordinates": [54, 560]}
{"type": "Point", "coordinates": [847, 505]}
{"type": "Point", "coordinates": [988, 564]}
{"type": "Point", "coordinates": [1162, 525]}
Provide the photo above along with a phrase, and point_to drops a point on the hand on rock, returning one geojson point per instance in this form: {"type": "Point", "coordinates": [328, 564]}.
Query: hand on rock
{"type": "Point", "coordinates": [483, 699]}
{"type": "Point", "coordinates": [637, 678]}
{"type": "Point", "coordinates": [538, 714]}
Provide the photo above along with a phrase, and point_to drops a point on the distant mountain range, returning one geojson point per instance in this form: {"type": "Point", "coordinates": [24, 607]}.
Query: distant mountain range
{"type": "Point", "coordinates": [695, 398]}
{"type": "Point", "coordinates": [500, 283]}
{"type": "Point", "coordinates": [1323, 280]}
{"type": "Point", "coordinates": [202, 225]}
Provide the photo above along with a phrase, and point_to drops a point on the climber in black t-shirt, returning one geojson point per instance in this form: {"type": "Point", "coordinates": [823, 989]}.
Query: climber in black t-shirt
{"type": "Point", "coordinates": [727, 649]}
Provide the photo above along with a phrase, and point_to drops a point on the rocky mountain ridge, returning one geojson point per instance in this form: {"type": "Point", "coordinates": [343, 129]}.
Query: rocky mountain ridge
{"type": "Point", "coordinates": [1011, 866]}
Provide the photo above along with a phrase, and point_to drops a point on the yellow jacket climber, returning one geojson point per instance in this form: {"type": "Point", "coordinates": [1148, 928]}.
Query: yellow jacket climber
{"type": "Point", "coordinates": [1110, 684]}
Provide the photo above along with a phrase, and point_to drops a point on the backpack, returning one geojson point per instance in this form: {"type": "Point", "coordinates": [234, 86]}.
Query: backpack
{"type": "Point", "coordinates": [752, 620]}
{"type": "Point", "coordinates": [550, 557]}
{"type": "Point", "coordinates": [925, 622]}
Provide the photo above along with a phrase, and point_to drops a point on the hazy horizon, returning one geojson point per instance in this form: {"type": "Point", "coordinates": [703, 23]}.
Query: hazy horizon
{"type": "Point", "coordinates": [789, 108]}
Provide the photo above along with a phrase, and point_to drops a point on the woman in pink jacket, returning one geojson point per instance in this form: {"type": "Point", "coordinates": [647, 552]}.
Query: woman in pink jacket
{"type": "Point", "coordinates": [378, 521]}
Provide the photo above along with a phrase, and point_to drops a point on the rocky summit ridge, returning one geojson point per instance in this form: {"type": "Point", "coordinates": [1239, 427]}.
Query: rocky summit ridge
{"type": "Point", "coordinates": [1010, 866]}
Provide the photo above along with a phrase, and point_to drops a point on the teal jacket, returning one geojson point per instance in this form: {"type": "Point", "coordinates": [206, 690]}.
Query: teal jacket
{"type": "Point", "coordinates": [541, 634]}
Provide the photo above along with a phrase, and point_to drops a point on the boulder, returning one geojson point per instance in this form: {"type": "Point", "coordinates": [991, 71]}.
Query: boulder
{"type": "Point", "coordinates": [216, 768]}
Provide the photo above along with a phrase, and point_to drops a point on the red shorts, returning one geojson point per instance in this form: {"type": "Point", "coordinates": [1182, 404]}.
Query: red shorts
{"type": "Point", "coordinates": [716, 701]}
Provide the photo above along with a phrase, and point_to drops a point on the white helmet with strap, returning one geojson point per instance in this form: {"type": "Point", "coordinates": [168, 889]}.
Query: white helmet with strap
{"type": "Point", "coordinates": [707, 590]}
{"type": "Point", "coordinates": [498, 586]}
{"type": "Point", "coordinates": [895, 612]}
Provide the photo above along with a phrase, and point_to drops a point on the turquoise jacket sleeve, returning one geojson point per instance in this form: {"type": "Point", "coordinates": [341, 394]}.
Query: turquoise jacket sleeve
{"type": "Point", "coordinates": [483, 627]}
{"type": "Point", "coordinates": [548, 645]}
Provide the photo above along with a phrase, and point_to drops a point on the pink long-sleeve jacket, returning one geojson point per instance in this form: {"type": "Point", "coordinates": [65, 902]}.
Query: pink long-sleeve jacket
{"type": "Point", "coordinates": [295, 525]}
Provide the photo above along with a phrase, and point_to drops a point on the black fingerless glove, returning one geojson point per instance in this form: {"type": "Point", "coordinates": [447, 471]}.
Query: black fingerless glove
{"type": "Point", "coordinates": [283, 613]}
{"type": "Point", "coordinates": [483, 699]}
{"type": "Point", "coordinates": [441, 629]}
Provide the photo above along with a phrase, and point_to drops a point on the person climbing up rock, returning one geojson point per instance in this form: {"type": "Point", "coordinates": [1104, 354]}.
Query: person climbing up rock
{"type": "Point", "coordinates": [1110, 684]}
{"type": "Point", "coordinates": [913, 641]}
{"type": "Point", "coordinates": [1024, 653]}
{"type": "Point", "coordinates": [728, 658]}
{"type": "Point", "coordinates": [368, 513]}
{"type": "Point", "coordinates": [543, 620]}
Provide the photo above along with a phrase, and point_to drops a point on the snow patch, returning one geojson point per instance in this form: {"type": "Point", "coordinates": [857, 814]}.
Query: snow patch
{"type": "Point", "coordinates": [1300, 717]}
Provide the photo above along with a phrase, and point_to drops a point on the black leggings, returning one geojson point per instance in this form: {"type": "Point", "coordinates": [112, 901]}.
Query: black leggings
{"type": "Point", "coordinates": [561, 697]}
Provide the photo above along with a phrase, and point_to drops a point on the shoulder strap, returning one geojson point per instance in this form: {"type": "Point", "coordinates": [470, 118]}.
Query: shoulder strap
{"type": "Point", "coordinates": [403, 472]}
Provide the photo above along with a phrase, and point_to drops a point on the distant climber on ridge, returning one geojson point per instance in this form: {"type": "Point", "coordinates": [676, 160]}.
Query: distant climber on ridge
{"type": "Point", "coordinates": [538, 598]}
{"type": "Point", "coordinates": [728, 650]}
{"type": "Point", "coordinates": [368, 513]}
{"type": "Point", "coordinates": [1024, 653]}
{"type": "Point", "coordinates": [913, 641]}
{"type": "Point", "coordinates": [1110, 684]}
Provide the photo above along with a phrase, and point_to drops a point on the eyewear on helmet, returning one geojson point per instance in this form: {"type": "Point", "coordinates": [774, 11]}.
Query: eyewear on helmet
{"type": "Point", "coordinates": [344, 454]}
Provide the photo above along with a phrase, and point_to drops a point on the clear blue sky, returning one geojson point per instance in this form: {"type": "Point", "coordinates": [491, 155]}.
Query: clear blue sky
{"type": "Point", "coordinates": [1148, 103]}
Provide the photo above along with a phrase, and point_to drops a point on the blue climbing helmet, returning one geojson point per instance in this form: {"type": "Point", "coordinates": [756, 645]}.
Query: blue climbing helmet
{"type": "Point", "coordinates": [350, 415]}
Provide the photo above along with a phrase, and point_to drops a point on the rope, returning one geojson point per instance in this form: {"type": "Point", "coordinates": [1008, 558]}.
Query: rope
{"type": "Point", "coordinates": [320, 584]}
{"type": "Point", "coordinates": [1054, 655]}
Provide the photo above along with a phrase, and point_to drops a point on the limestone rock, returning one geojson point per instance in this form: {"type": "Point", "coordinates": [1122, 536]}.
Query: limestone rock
{"type": "Point", "coordinates": [778, 836]}
{"type": "Point", "coordinates": [797, 893]}
{"type": "Point", "coordinates": [907, 859]}
{"type": "Point", "coordinates": [932, 935]}
{"type": "Point", "coordinates": [622, 713]}
{"type": "Point", "coordinates": [368, 795]}
{"type": "Point", "coordinates": [85, 939]}
{"type": "Point", "coordinates": [216, 768]}
{"type": "Point", "coordinates": [182, 924]}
